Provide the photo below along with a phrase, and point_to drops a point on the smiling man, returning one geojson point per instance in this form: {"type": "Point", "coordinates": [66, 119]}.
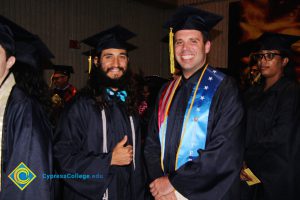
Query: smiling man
{"type": "Point", "coordinates": [195, 141]}
{"type": "Point", "coordinates": [114, 62]}
{"type": "Point", "coordinates": [99, 133]}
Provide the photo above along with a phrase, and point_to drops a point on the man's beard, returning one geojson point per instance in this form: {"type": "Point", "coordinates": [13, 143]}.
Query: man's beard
{"type": "Point", "coordinates": [100, 78]}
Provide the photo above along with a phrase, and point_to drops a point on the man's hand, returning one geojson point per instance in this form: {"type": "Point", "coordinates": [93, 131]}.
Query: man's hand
{"type": "Point", "coordinates": [161, 187]}
{"type": "Point", "coordinates": [243, 175]}
{"type": "Point", "coordinates": [170, 196]}
{"type": "Point", "coordinates": [122, 155]}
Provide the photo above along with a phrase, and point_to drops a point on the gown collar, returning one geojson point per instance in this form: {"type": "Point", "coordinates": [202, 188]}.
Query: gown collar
{"type": "Point", "coordinates": [194, 78]}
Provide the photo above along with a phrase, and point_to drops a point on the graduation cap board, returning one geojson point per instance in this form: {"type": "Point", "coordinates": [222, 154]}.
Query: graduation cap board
{"type": "Point", "coordinates": [63, 69]}
{"type": "Point", "coordinates": [30, 49]}
{"type": "Point", "coordinates": [115, 37]}
{"type": "Point", "coordinates": [34, 54]}
{"type": "Point", "coordinates": [276, 41]}
{"type": "Point", "coordinates": [33, 51]}
{"type": "Point", "coordinates": [91, 52]}
{"type": "Point", "coordinates": [189, 18]}
{"type": "Point", "coordinates": [19, 32]}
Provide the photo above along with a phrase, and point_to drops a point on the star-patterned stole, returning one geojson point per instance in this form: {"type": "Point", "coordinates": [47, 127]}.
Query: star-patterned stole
{"type": "Point", "coordinates": [193, 135]}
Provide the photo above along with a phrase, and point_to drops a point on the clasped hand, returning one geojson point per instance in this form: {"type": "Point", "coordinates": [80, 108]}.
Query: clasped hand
{"type": "Point", "coordinates": [162, 189]}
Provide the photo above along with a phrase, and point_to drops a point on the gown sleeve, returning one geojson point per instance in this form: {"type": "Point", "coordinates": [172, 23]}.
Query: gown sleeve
{"type": "Point", "coordinates": [152, 148]}
{"type": "Point", "coordinates": [27, 139]}
{"type": "Point", "coordinates": [273, 141]}
{"type": "Point", "coordinates": [283, 121]}
{"type": "Point", "coordinates": [77, 149]}
{"type": "Point", "coordinates": [138, 180]}
{"type": "Point", "coordinates": [216, 170]}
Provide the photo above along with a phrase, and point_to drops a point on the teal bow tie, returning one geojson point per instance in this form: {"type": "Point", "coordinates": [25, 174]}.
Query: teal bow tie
{"type": "Point", "coordinates": [121, 94]}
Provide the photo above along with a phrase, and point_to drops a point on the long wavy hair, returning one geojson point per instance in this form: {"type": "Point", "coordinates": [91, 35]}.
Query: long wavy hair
{"type": "Point", "coordinates": [31, 81]}
{"type": "Point", "coordinates": [99, 81]}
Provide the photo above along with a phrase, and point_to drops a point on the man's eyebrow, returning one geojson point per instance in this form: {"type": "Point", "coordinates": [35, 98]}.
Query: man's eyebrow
{"type": "Point", "coordinates": [106, 54]}
{"type": "Point", "coordinates": [191, 38]}
{"type": "Point", "coordinates": [124, 53]}
{"type": "Point", "coordinates": [194, 38]}
{"type": "Point", "coordinates": [178, 39]}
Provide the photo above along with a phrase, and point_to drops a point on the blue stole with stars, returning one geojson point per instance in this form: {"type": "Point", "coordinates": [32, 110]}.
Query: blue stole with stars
{"type": "Point", "coordinates": [194, 130]}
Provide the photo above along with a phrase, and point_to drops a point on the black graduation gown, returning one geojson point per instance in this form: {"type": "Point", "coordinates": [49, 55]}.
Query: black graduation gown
{"type": "Point", "coordinates": [66, 96]}
{"type": "Point", "coordinates": [27, 137]}
{"type": "Point", "coordinates": [272, 139]}
{"type": "Point", "coordinates": [215, 173]}
{"type": "Point", "coordinates": [78, 149]}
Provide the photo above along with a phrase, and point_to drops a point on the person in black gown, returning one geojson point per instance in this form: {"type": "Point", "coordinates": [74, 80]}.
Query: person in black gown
{"type": "Point", "coordinates": [99, 133]}
{"type": "Point", "coordinates": [61, 90]}
{"type": "Point", "coordinates": [61, 86]}
{"type": "Point", "coordinates": [25, 129]}
{"type": "Point", "coordinates": [194, 148]}
{"type": "Point", "coordinates": [273, 118]}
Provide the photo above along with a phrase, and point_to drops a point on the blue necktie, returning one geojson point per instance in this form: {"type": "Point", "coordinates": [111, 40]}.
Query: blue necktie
{"type": "Point", "coordinates": [121, 94]}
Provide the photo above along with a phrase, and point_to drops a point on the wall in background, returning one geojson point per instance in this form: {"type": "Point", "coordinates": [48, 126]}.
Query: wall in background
{"type": "Point", "coordinates": [58, 21]}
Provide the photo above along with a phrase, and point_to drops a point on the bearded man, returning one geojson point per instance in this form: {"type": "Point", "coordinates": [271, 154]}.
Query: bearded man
{"type": "Point", "coordinates": [99, 135]}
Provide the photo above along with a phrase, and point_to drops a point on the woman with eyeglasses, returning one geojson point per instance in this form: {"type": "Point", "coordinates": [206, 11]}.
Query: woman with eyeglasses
{"type": "Point", "coordinates": [273, 110]}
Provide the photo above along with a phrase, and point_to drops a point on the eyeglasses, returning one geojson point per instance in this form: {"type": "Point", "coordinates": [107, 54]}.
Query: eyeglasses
{"type": "Point", "coordinates": [266, 56]}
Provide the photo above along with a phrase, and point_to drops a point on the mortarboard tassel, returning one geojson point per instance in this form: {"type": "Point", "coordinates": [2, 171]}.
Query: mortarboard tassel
{"type": "Point", "coordinates": [171, 51]}
{"type": "Point", "coordinates": [90, 64]}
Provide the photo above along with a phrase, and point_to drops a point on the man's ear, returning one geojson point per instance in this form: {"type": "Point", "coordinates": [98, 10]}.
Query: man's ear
{"type": "Point", "coordinates": [207, 46]}
{"type": "Point", "coordinates": [10, 62]}
{"type": "Point", "coordinates": [285, 61]}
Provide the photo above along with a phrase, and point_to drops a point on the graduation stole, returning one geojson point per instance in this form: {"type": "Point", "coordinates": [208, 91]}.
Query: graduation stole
{"type": "Point", "coordinates": [194, 130]}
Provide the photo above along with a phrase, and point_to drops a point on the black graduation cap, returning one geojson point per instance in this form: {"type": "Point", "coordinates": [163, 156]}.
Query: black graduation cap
{"type": "Point", "coordinates": [190, 18]}
{"type": "Point", "coordinates": [30, 49]}
{"type": "Point", "coordinates": [6, 38]}
{"type": "Point", "coordinates": [276, 41]}
{"type": "Point", "coordinates": [34, 53]}
{"type": "Point", "coordinates": [91, 52]}
{"type": "Point", "coordinates": [42, 47]}
{"type": "Point", "coordinates": [246, 48]}
{"type": "Point", "coordinates": [19, 32]}
{"type": "Point", "coordinates": [63, 69]}
{"type": "Point", "coordinates": [114, 37]}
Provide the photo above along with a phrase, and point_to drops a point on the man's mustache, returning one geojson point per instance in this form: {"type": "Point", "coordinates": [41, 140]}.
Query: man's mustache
{"type": "Point", "coordinates": [111, 68]}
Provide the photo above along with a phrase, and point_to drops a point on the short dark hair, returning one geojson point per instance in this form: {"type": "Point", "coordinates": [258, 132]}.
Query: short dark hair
{"type": "Point", "coordinates": [206, 36]}
{"type": "Point", "coordinates": [7, 41]}
{"type": "Point", "coordinates": [8, 52]}
{"type": "Point", "coordinates": [285, 54]}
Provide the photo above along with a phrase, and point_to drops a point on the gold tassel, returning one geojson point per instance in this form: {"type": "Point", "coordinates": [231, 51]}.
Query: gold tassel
{"type": "Point", "coordinates": [90, 64]}
{"type": "Point", "coordinates": [171, 51]}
